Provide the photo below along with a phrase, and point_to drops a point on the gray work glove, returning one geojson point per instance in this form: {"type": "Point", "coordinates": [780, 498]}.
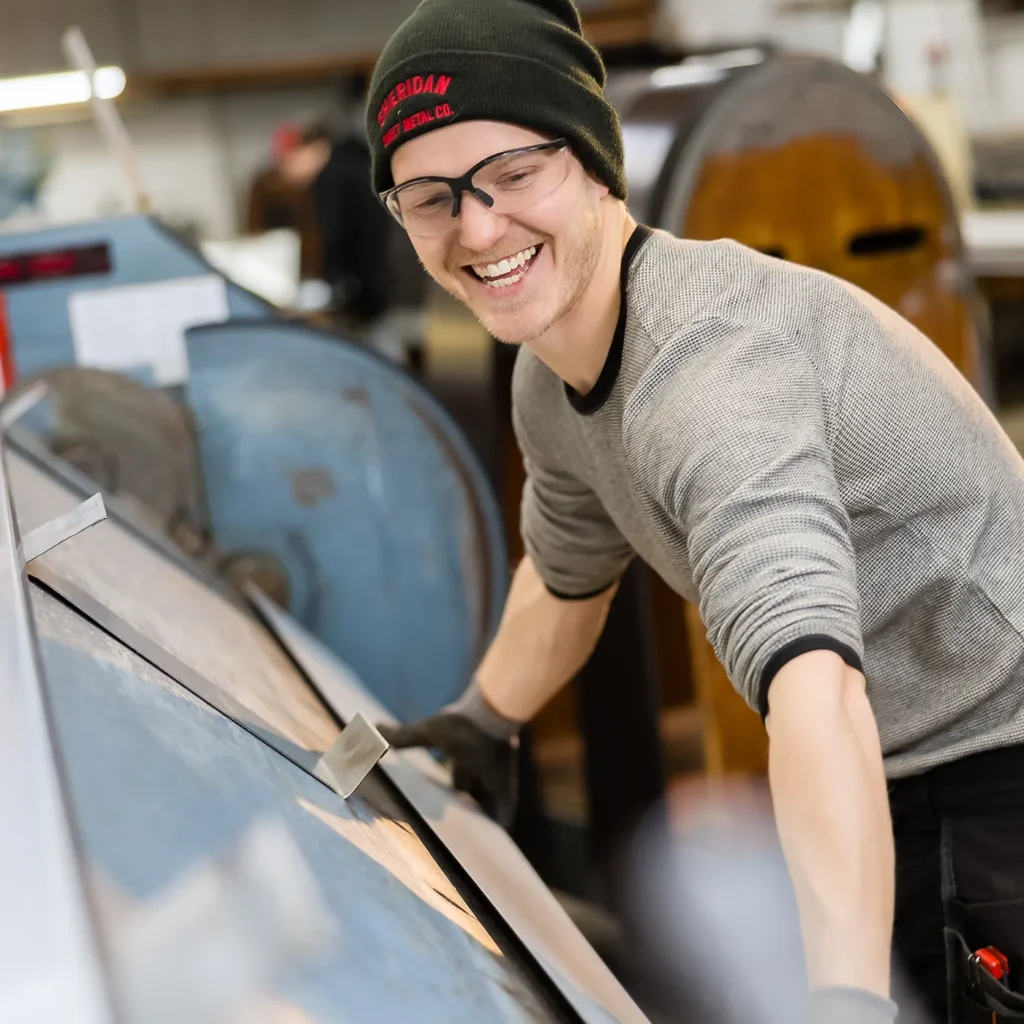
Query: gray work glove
{"type": "Point", "coordinates": [840, 1004]}
{"type": "Point", "coordinates": [480, 744]}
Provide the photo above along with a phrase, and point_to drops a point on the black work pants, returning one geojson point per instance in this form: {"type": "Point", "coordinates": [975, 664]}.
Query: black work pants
{"type": "Point", "coordinates": [959, 832]}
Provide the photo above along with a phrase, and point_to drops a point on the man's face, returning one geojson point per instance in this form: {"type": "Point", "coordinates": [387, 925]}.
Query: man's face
{"type": "Point", "coordinates": [564, 227]}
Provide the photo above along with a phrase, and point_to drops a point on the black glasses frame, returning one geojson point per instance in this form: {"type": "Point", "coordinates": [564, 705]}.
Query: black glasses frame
{"type": "Point", "coordinates": [465, 182]}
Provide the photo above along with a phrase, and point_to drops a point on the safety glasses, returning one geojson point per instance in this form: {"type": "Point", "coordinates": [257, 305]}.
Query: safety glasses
{"type": "Point", "coordinates": [506, 183]}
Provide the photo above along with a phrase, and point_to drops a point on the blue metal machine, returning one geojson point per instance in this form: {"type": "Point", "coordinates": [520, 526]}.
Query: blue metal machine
{"type": "Point", "coordinates": [342, 467]}
{"type": "Point", "coordinates": [39, 270]}
{"type": "Point", "coordinates": [312, 451]}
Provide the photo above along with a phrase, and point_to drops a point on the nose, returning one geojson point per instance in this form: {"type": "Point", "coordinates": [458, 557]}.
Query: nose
{"type": "Point", "coordinates": [479, 228]}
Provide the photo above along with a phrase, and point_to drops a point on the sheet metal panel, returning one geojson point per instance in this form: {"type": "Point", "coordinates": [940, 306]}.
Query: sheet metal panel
{"type": "Point", "coordinates": [157, 608]}
{"type": "Point", "coordinates": [160, 781]}
{"type": "Point", "coordinates": [481, 847]}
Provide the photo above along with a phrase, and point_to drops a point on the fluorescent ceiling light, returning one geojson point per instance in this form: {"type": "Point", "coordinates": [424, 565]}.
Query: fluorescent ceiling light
{"type": "Point", "coordinates": [680, 74]}
{"type": "Point", "coordinates": [704, 68]}
{"type": "Point", "coordinates": [58, 90]}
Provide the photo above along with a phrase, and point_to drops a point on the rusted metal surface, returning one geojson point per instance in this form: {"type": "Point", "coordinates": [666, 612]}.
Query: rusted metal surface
{"type": "Point", "coordinates": [309, 455]}
{"type": "Point", "coordinates": [312, 485]}
{"type": "Point", "coordinates": [125, 436]}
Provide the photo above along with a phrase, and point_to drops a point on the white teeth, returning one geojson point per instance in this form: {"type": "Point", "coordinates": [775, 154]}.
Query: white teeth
{"type": "Point", "coordinates": [504, 282]}
{"type": "Point", "coordinates": [506, 265]}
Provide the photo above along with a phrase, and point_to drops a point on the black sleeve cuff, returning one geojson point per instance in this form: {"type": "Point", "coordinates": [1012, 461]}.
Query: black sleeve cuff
{"type": "Point", "coordinates": [802, 645]}
{"type": "Point", "coordinates": [579, 597]}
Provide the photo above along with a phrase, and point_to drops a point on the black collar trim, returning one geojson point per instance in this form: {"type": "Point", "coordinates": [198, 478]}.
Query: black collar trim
{"type": "Point", "coordinates": [598, 394]}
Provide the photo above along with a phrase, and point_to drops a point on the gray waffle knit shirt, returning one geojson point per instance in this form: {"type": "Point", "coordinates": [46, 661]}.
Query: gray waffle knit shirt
{"type": "Point", "coordinates": [792, 455]}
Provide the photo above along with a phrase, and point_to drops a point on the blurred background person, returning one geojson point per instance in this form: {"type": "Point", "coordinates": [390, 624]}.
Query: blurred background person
{"type": "Point", "coordinates": [348, 239]}
{"type": "Point", "coordinates": [352, 226]}
{"type": "Point", "coordinates": [274, 202]}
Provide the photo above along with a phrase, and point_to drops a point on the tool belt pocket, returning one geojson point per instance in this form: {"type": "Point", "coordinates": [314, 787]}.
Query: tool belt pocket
{"type": "Point", "coordinates": [976, 997]}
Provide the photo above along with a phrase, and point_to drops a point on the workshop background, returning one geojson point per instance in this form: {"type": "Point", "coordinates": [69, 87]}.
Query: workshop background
{"type": "Point", "coordinates": [882, 140]}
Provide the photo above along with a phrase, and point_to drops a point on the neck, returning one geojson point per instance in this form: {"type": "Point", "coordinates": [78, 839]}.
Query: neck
{"type": "Point", "coordinates": [576, 345]}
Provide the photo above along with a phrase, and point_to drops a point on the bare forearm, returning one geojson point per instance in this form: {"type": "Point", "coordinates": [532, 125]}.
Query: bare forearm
{"type": "Point", "coordinates": [828, 787]}
{"type": "Point", "coordinates": [540, 645]}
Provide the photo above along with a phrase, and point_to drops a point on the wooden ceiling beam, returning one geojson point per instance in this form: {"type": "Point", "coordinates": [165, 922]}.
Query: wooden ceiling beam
{"type": "Point", "coordinates": [623, 26]}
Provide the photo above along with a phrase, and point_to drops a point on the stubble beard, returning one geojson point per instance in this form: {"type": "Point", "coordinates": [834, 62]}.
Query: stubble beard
{"type": "Point", "coordinates": [582, 249]}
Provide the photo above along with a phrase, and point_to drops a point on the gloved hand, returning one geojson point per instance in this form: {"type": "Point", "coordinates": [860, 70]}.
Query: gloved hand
{"type": "Point", "coordinates": [481, 745]}
{"type": "Point", "coordinates": [840, 1004]}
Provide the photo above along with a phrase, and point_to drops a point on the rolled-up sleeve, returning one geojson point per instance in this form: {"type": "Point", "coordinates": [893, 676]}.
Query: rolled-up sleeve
{"type": "Point", "coordinates": [577, 549]}
{"type": "Point", "coordinates": [729, 434]}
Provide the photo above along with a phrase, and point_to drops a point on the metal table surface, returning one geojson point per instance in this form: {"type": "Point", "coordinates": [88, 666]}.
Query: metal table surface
{"type": "Point", "coordinates": [158, 780]}
{"type": "Point", "coordinates": [124, 612]}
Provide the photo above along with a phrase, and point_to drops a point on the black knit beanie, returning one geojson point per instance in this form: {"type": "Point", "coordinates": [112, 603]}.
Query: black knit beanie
{"type": "Point", "coordinates": [520, 61]}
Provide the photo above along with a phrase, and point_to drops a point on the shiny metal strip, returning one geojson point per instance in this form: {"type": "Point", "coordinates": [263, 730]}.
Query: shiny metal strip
{"type": "Point", "coordinates": [62, 528]}
{"type": "Point", "coordinates": [50, 967]}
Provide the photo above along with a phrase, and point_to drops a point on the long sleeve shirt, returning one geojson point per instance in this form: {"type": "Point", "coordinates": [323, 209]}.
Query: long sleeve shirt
{"type": "Point", "coordinates": [801, 462]}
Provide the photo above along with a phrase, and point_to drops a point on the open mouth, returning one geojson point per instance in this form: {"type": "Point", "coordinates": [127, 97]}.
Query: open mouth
{"type": "Point", "coordinates": [507, 271]}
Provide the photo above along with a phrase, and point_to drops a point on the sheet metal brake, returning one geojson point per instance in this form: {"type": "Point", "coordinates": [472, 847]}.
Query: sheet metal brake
{"type": "Point", "coordinates": [190, 826]}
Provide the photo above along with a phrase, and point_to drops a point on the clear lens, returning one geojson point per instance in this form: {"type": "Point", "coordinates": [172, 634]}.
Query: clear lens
{"type": "Point", "coordinates": [518, 181]}
{"type": "Point", "coordinates": [515, 182]}
{"type": "Point", "coordinates": [422, 204]}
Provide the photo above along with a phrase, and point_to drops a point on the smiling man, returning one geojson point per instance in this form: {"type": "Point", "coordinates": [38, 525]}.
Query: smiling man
{"type": "Point", "coordinates": [784, 450]}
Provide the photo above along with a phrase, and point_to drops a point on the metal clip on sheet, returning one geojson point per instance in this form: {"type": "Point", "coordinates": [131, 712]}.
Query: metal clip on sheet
{"type": "Point", "coordinates": [61, 528]}
{"type": "Point", "coordinates": [351, 757]}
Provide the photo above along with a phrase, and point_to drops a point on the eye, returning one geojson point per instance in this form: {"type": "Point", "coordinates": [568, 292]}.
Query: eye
{"type": "Point", "coordinates": [431, 203]}
{"type": "Point", "coordinates": [518, 177]}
